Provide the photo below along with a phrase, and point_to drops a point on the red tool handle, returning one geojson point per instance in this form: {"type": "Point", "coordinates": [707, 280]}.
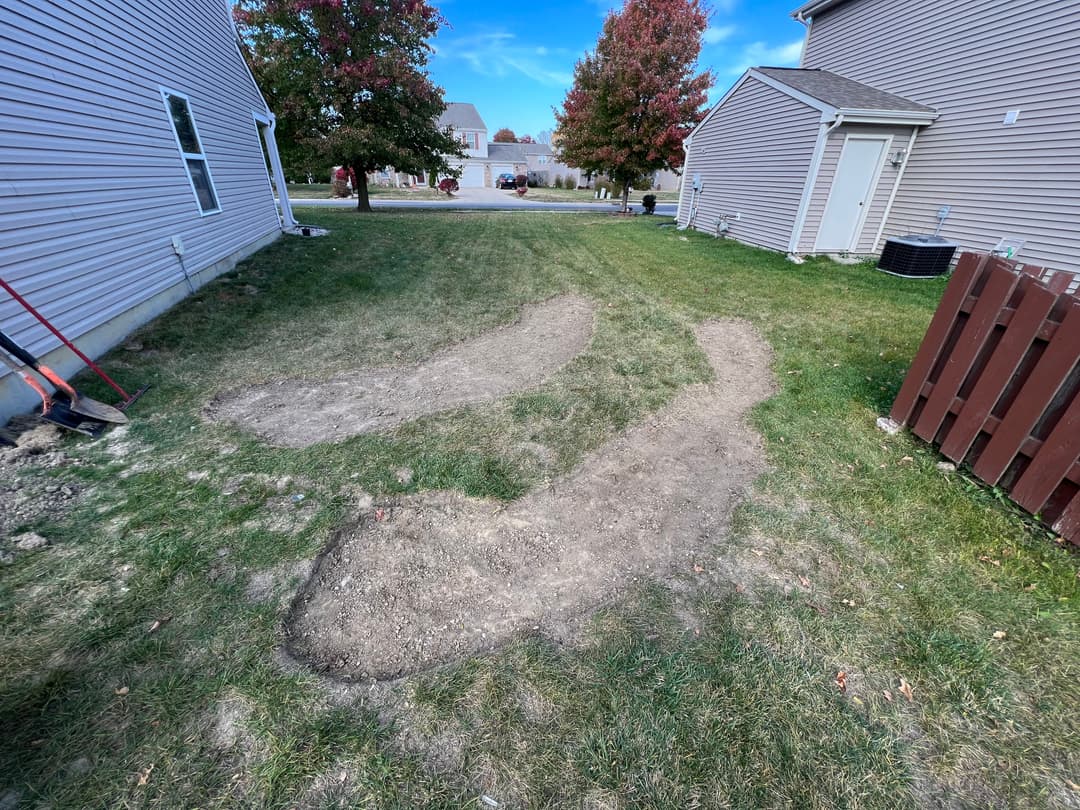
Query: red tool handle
{"type": "Point", "coordinates": [26, 305]}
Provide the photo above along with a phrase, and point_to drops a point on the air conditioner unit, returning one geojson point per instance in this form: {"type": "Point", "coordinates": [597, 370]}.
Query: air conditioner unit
{"type": "Point", "coordinates": [917, 256]}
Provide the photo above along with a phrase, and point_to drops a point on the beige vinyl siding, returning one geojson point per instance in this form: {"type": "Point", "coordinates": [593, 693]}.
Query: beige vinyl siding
{"type": "Point", "coordinates": [753, 156]}
{"type": "Point", "coordinates": [92, 184]}
{"type": "Point", "coordinates": [975, 61]}
{"type": "Point", "coordinates": [901, 138]}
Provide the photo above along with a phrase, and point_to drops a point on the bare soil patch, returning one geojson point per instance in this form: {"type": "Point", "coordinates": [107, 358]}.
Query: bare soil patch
{"type": "Point", "coordinates": [28, 492]}
{"type": "Point", "coordinates": [299, 413]}
{"type": "Point", "coordinates": [425, 579]}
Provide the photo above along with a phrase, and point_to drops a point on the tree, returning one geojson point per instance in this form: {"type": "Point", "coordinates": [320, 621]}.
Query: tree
{"type": "Point", "coordinates": [349, 83]}
{"type": "Point", "coordinates": [526, 139]}
{"type": "Point", "coordinates": [636, 97]}
{"type": "Point", "coordinates": [505, 135]}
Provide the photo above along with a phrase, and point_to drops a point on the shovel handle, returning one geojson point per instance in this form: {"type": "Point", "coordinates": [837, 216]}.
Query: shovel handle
{"type": "Point", "coordinates": [22, 354]}
{"type": "Point", "coordinates": [46, 400]}
{"type": "Point", "coordinates": [13, 348]}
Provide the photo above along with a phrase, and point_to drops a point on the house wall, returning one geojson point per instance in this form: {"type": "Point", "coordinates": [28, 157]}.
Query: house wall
{"type": "Point", "coordinates": [901, 139]}
{"type": "Point", "coordinates": [92, 185]}
{"type": "Point", "coordinates": [753, 156]}
{"type": "Point", "coordinates": [974, 61]}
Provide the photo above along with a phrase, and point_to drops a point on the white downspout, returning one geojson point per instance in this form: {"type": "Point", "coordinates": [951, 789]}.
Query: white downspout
{"type": "Point", "coordinates": [288, 222]}
{"type": "Point", "coordinates": [811, 182]}
{"type": "Point", "coordinates": [895, 190]}
{"type": "Point", "coordinates": [686, 144]}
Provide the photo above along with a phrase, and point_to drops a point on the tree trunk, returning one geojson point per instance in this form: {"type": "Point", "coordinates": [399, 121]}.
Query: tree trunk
{"type": "Point", "coordinates": [625, 197]}
{"type": "Point", "coordinates": [363, 202]}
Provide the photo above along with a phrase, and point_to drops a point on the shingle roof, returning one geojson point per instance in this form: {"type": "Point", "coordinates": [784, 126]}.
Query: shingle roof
{"type": "Point", "coordinates": [514, 152]}
{"type": "Point", "coordinates": [461, 116]}
{"type": "Point", "coordinates": [537, 149]}
{"type": "Point", "coordinates": [844, 94]}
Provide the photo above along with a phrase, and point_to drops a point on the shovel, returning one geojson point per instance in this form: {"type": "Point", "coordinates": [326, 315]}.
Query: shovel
{"type": "Point", "coordinates": [84, 406]}
{"type": "Point", "coordinates": [59, 413]}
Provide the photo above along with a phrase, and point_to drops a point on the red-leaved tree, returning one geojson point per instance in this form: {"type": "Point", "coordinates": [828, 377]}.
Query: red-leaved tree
{"type": "Point", "coordinates": [637, 96]}
{"type": "Point", "coordinates": [348, 80]}
{"type": "Point", "coordinates": [504, 135]}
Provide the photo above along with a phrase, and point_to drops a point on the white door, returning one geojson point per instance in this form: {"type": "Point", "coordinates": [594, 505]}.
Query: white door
{"type": "Point", "coordinates": [853, 186]}
{"type": "Point", "coordinates": [472, 176]}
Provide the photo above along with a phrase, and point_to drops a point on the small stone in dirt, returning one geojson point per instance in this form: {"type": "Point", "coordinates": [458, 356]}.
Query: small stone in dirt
{"type": "Point", "coordinates": [888, 425]}
{"type": "Point", "coordinates": [298, 497]}
{"type": "Point", "coordinates": [404, 476]}
{"type": "Point", "coordinates": [30, 541]}
{"type": "Point", "coordinates": [946, 466]}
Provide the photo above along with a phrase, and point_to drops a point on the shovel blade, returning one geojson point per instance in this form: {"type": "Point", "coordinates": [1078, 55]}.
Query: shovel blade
{"type": "Point", "coordinates": [61, 414]}
{"type": "Point", "coordinates": [98, 411]}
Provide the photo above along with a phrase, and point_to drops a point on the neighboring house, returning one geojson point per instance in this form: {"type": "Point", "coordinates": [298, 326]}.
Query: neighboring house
{"type": "Point", "coordinates": [131, 160]}
{"type": "Point", "coordinates": [544, 165]}
{"type": "Point", "coordinates": [899, 110]}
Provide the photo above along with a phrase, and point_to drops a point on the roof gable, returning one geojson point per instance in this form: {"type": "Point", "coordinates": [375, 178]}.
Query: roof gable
{"type": "Point", "coordinates": [459, 116]}
{"type": "Point", "coordinates": [841, 93]}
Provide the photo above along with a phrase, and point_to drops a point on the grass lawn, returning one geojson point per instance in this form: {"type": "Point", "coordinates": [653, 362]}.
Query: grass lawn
{"type": "Point", "coordinates": [586, 195]}
{"type": "Point", "coordinates": [319, 191]}
{"type": "Point", "coordinates": [854, 553]}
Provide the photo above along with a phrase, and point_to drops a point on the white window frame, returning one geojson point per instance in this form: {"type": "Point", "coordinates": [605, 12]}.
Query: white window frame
{"type": "Point", "coordinates": [186, 156]}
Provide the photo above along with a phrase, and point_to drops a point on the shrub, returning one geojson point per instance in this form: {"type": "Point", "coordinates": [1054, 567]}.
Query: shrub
{"type": "Point", "coordinates": [558, 181]}
{"type": "Point", "coordinates": [448, 185]}
{"type": "Point", "coordinates": [648, 202]}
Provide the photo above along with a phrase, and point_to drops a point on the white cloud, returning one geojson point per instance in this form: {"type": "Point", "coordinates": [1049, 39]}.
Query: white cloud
{"type": "Point", "coordinates": [762, 54]}
{"type": "Point", "coordinates": [497, 54]}
{"type": "Point", "coordinates": [714, 34]}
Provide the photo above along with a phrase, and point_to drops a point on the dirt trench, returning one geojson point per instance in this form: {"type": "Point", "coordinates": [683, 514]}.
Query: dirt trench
{"type": "Point", "coordinates": [429, 578]}
{"type": "Point", "coordinates": [300, 413]}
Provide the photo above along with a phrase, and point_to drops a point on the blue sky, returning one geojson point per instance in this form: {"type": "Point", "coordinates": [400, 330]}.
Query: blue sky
{"type": "Point", "coordinates": [515, 61]}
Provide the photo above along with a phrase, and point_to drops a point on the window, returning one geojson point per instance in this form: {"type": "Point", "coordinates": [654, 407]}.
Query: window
{"type": "Point", "coordinates": [187, 141]}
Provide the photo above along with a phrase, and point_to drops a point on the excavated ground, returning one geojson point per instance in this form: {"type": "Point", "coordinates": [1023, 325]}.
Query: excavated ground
{"type": "Point", "coordinates": [425, 579]}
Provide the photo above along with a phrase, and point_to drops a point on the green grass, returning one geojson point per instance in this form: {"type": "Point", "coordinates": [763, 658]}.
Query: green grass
{"type": "Point", "coordinates": [719, 695]}
{"type": "Point", "coordinates": [309, 191]}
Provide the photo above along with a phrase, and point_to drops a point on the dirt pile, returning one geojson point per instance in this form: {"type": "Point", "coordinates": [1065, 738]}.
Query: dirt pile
{"type": "Point", "coordinates": [299, 413]}
{"type": "Point", "coordinates": [425, 579]}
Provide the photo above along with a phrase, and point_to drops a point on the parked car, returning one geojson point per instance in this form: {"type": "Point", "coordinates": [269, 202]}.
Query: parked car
{"type": "Point", "coordinates": [506, 180]}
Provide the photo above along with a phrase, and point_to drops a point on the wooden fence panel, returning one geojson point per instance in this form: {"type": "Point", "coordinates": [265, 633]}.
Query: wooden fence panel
{"type": "Point", "coordinates": [997, 382]}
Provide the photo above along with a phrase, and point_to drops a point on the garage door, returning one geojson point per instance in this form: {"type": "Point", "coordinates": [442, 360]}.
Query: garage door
{"type": "Point", "coordinates": [472, 176]}
{"type": "Point", "coordinates": [500, 168]}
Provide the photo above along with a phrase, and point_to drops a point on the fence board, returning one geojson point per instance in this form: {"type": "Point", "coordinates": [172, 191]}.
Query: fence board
{"type": "Point", "coordinates": [977, 330]}
{"type": "Point", "coordinates": [1022, 330]}
{"type": "Point", "coordinates": [1041, 387]}
{"type": "Point", "coordinates": [963, 279]}
{"type": "Point", "coordinates": [1068, 525]}
{"type": "Point", "coordinates": [1051, 463]}
{"type": "Point", "coordinates": [997, 370]}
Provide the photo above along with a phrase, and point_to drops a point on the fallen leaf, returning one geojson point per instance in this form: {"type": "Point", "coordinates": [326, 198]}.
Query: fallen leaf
{"type": "Point", "coordinates": [906, 690]}
{"type": "Point", "coordinates": [841, 681]}
{"type": "Point", "coordinates": [123, 690]}
{"type": "Point", "coordinates": [887, 694]}
{"type": "Point", "coordinates": [158, 624]}
{"type": "Point", "coordinates": [855, 699]}
{"type": "Point", "coordinates": [698, 569]}
{"type": "Point", "coordinates": [1030, 587]}
{"type": "Point", "coordinates": [804, 581]}
{"type": "Point", "coordinates": [144, 775]}
{"type": "Point", "coordinates": [757, 552]}
{"type": "Point", "coordinates": [1000, 634]}
{"type": "Point", "coordinates": [848, 602]}
{"type": "Point", "coordinates": [821, 611]}
{"type": "Point", "coordinates": [984, 558]}
{"type": "Point", "coordinates": [740, 588]}
{"type": "Point", "coordinates": [906, 460]}
{"type": "Point", "coordinates": [1072, 785]}
{"type": "Point", "coordinates": [796, 371]}
{"type": "Point", "coordinates": [380, 513]}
